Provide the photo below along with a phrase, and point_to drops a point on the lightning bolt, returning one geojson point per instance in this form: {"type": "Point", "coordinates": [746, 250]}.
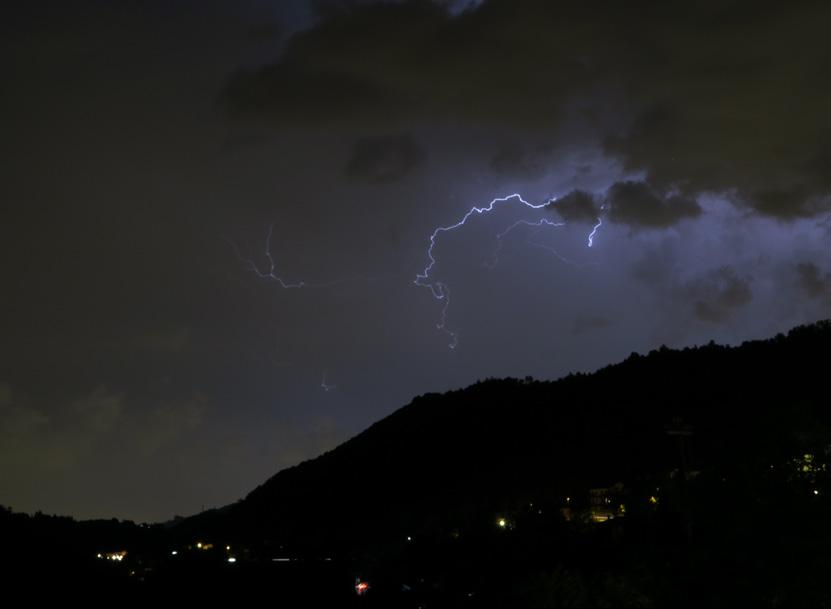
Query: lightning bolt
{"type": "Point", "coordinates": [439, 289]}
{"type": "Point", "coordinates": [422, 279]}
{"type": "Point", "coordinates": [559, 256]}
{"type": "Point", "coordinates": [597, 226]}
{"type": "Point", "coordinates": [325, 386]}
{"type": "Point", "coordinates": [540, 223]}
{"type": "Point", "coordinates": [442, 325]}
{"type": "Point", "coordinates": [593, 234]}
{"type": "Point", "coordinates": [269, 273]}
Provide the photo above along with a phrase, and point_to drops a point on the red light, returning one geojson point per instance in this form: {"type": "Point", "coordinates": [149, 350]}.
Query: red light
{"type": "Point", "coordinates": [361, 587]}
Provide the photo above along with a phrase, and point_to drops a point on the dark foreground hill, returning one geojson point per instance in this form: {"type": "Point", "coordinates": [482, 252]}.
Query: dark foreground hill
{"type": "Point", "coordinates": [713, 452]}
{"type": "Point", "coordinates": [502, 441]}
{"type": "Point", "coordinates": [693, 477]}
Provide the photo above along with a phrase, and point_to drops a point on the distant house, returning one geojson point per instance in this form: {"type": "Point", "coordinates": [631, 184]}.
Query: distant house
{"type": "Point", "coordinates": [606, 503]}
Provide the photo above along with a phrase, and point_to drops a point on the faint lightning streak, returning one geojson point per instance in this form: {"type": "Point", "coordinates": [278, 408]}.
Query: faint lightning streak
{"type": "Point", "coordinates": [271, 273]}
{"type": "Point", "coordinates": [548, 248]}
{"type": "Point", "coordinates": [442, 325]}
{"type": "Point", "coordinates": [324, 385]}
{"type": "Point", "coordinates": [495, 257]}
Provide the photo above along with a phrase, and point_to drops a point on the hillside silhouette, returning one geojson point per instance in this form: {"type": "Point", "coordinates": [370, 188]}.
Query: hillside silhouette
{"type": "Point", "coordinates": [502, 440]}
{"type": "Point", "coordinates": [683, 477]}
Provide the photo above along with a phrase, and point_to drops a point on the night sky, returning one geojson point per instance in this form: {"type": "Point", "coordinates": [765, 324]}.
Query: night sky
{"type": "Point", "coordinates": [151, 363]}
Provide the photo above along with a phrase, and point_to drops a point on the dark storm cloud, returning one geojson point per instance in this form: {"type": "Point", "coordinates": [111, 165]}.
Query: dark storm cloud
{"type": "Point", "coordinates": [165, 341]}
{"type": "Point", "coordinates": [718, 295]}
{"type": "Point", "coordinates": [584, 323]}
{"type": "Point", "coordinates": [657, 265]}
{"type": "Point", "coordinates": [58, 437]}
{"type": "Point", "coordinates": [789, 203]}
{"type": "Point", "coordinates": [328, 8]}
{"type": "Point", "coordinates": [812, 281]}
{"type": "Point", "coordinates": [266, 31]}
{"type": "Point", "coordinates": [341, 69]}
{"type": "Point", "coordinates": [331, 8]}
{"type": "Point", "coordinates": [384, 159]}
{"type": "Point", "coordinates": [637, 204]}
{"type": "Point", "coordinates": [387, 61]}
{"type": "Point", "coordinates": [515, 161]}
{"type": "Point", "coordinates": [576, 206]}
{"type": "Point", "coordinates": [726, 97]}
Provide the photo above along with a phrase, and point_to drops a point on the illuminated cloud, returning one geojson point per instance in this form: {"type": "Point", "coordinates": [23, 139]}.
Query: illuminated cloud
{"type": "Point", "coordinates": [638, 205]}
{"type": "Point", "coordinates": [577, 206]}
{"type": "Point", "coordinates": [718, 295]}
{"type": "Point", "coordinates": [695, 114]}
{"type": "Point", "coordinates": [585, 322]}
{"type": "Point", "coordinates": [516, 161]}
{"type": "Point", "coordinates": [812, 281]}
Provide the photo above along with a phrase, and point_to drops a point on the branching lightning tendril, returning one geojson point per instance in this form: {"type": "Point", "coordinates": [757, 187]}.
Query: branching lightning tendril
{"type": "Point", "coordinates": [440, 290]}
{"type": "Point", "coordinates": [495, 257]}
{"type": "Point", "coordinates": [326, 386]}
{"type": "Point", "coordinates": [271, 273]}
{"type": "Point", "coordinates": [559, 256]}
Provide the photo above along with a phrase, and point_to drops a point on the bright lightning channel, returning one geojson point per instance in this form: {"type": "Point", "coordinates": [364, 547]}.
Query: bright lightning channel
{"type": "Point", "coordinates": [593, 234]}
{"type": "Point", "coordinates": [440, 290]}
